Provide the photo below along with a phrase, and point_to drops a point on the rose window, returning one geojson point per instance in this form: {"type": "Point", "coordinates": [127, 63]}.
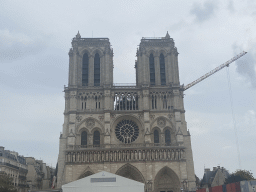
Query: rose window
{"type": "Point", "coordinates": [127, 131]}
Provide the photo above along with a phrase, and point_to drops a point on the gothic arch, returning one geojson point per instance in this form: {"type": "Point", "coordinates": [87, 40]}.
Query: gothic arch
{"type": "Point", "coordinates": [164, 52]}
{"type": "Point", "coordinates": [155, 128]}
{"type": "Point", "coordinates": [172, 136]}
{"type": "Point", "coordinates": [83, 129]}
{"type": "Point", "coordinates": [166, 180]}
{"type": "Point", "coordinates": [99, 51]}
{"type": "Point", "coordinates": [87, 172]}
{"type": "Point", "coordinates": [152, 133]}
{"type": "Point", "coordinates": [151, 51]}
{"type": "Point", "coordinates": [79, 126]}
{"type": "Point", "coordinates": [131, 172]}
{"type": "Point", "coordinates": [166, 119]}
{"type": "Point", "coordinates": [97, 129]}
{"type": "Point", "coordinates": [170, 128]}
{"type": "Point", "coordinates": [86, 50]}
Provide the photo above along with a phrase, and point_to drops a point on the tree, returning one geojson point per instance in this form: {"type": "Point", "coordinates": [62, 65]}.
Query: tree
{"type": "Point", "coordinates": [239, 175]}
{"type": "Point", "coordinates": [6, 183]}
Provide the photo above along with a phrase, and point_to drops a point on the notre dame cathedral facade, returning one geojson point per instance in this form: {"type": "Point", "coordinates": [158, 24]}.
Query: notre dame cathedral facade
{"type": "Point", "coordinates": [136, 131]}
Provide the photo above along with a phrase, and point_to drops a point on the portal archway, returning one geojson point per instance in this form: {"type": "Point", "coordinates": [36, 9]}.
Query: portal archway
{"type": "Point", "coordinates": [166, 180]}
{"type": "Point", "coordinates": [87, 172]}
{"type": "Point", "coordinates": [130, 172]}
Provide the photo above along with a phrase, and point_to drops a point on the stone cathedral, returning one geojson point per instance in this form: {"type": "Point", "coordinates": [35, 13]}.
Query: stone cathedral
{"type": "Point", "coordinates": [135, 131]}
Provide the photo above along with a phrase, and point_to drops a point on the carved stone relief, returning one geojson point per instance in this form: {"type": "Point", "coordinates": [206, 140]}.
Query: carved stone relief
{"type": "Point", "coordinates": [90, 123]}
{"type": "Point", "coordinates": [161, 122]}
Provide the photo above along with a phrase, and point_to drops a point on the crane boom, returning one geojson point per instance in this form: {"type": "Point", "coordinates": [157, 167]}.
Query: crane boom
{"type": "Point", "coordinates": [226, 64]}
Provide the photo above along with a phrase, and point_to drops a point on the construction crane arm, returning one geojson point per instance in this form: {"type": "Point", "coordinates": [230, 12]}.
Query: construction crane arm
{"type": "Point", "coordinates": [226, 64]}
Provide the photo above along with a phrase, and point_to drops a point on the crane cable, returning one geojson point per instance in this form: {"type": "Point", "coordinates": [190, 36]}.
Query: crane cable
{"type": "Point", "coordinates": [233, 117]}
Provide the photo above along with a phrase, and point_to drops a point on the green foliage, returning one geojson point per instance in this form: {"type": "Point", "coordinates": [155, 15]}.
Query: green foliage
{"type": "Point", "coordinates": [239, 175]}
{"type": "Point", "coordinates": [6, 183]}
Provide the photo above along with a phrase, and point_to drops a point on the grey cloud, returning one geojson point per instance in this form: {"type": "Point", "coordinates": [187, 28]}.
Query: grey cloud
{"type": "Point", "coordinates": [246, 66]}
{"type": "Point", "coordinates": [203, 12]}
{"type": "Point", "coordinates": [230, 6]}
{"type": "Point", "coordinates": [15, 46]}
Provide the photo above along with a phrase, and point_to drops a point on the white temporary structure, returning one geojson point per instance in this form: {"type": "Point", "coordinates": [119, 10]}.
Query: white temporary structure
{"type": "Point", "coordinates": [104, 182]}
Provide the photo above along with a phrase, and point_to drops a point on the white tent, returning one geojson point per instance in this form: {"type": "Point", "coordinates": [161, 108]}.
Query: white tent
{"type": "Point", "coordinates": [104, 182]}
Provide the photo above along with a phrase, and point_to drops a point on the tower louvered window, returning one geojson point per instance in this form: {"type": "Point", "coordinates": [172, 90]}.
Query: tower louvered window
{"type": "Point", "coordinates": [97, 70]}
{"type": "Point", "coordinates": [156, 136]}
{"type": "Point", "coordinates": [85, 69]}
{"type": "Point", "coordinates": [152, 69]}
{"type": "Point", "coordinates": [162, 69]}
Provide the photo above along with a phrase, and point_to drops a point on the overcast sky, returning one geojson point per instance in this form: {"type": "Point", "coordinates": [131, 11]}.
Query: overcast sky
{"type": "Point", "coordinates": [35, 38]}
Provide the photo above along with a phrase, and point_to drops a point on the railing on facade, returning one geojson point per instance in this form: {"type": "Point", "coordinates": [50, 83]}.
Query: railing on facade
{"type": "Point", "coordinates": [22, 177]}
{"type": "Point", "coordinates": [124, 85]}
{"type": "Point", "coordinates": [23, 185]}
{"type": "Point", "coordinates": [100, 38]}
{"type": "Point", "coordinates": [126, 154]}
{"type": "Point", "coordinates": [121, 146]}
{"type": "Point", "coordinates": [23, 170]}
{"type": "Point", "coordinates": [153, 37]}
{"type": "Point", "coordinates": [9, 165]}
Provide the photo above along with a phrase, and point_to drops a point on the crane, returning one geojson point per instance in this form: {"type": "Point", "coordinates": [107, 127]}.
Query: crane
{"type": "Point", "coordinates": [226, 64]}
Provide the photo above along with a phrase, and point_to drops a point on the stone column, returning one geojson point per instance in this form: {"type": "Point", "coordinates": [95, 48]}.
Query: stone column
{"type": "Point", "coordinates": [176, 68]}
{"type": "Point", "coordinates": [144, 70]}
{"type": "Point", "coordinates": [147, 128]}
{"type": "Point", "coordinates": [157, 70]}
{"type": "Point", "coordinates": [74, 78]}
{"type": "Point", "coordinates": [107, 128]}
{"type": "Point", "coordinates": [168, 69]}
{"type": "Point", "coordinates": [103, 70]}
{"type": "Point", "coordinates": [91, 71]}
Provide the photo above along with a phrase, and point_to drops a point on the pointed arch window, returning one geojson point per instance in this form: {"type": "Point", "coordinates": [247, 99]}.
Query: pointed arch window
{"type": "Point", "coordinates": [97, 70]}
{"type": "Point", "coordinates": [152, 69]}
{"type": "Point", "coordinates": [96, 139]}
{"type": "Point", "coordinates": [162, 69]}
{"type": "Point", "coordinates": [84, 138]}
{"type": "Point", "coordinates": [156, 136]}
{"type": "Point", "coordinates": [167, 137]}
{"type": "Point", "coordinates": [85, 69]}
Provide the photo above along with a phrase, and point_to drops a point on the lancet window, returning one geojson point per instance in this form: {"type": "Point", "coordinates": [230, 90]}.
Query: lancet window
{"type": "Point", "coordinates": [97, 102]}
{"type": "Point", "coordinates": [97, 70]}
{"type": "Point", "coordinates": [156, 136]}
{"type": "Point", "coordinates": [162, 69]}
{"type": "Point", "coordinates": [164, 102]}
{"type": "Point", "coordinates": [126, 101]}
{"type": "Point", "coordinates": [85, 69]}
{"type": "Point", "coordinates": [84, 138]}
{"type": "Point", "coordinates": [152, 69]}
{"type": "Point", "coordinates": [167, 137]}
{"type": "Point", "coordinates": [83, 102]}
{"type": "Point", "coordinates": [96, 139]}
{"type": "Point", "coordinates": [154, 102]}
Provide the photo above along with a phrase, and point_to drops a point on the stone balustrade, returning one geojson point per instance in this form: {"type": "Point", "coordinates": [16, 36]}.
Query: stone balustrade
{"type": "Point", "coordinates": [124, 155]}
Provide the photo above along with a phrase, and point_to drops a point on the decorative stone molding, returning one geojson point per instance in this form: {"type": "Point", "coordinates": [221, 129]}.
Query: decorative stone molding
{"type": "Point", "coordinates": [152, 117]}
{"type": "Point", "coordinates": [140, 115]}
{"type": "Point", "coordinates": [170, 116]}
{"type": "Point", "coordinates": [78, 118]}
{"type": "Point", "coordinates": [124, 155]}
{"type": "Point", "coordinates": [113, 116]}
{"type": "Point", "coordinates": [101, 117]}
{"type": "Point", "coordinates": [90, 123]}
{"type": "Point", "coordinates": [161, 122]}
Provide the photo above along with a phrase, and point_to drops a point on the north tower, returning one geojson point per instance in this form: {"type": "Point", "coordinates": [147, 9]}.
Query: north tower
{"type": "Point", "coordinates": [138, 131]}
